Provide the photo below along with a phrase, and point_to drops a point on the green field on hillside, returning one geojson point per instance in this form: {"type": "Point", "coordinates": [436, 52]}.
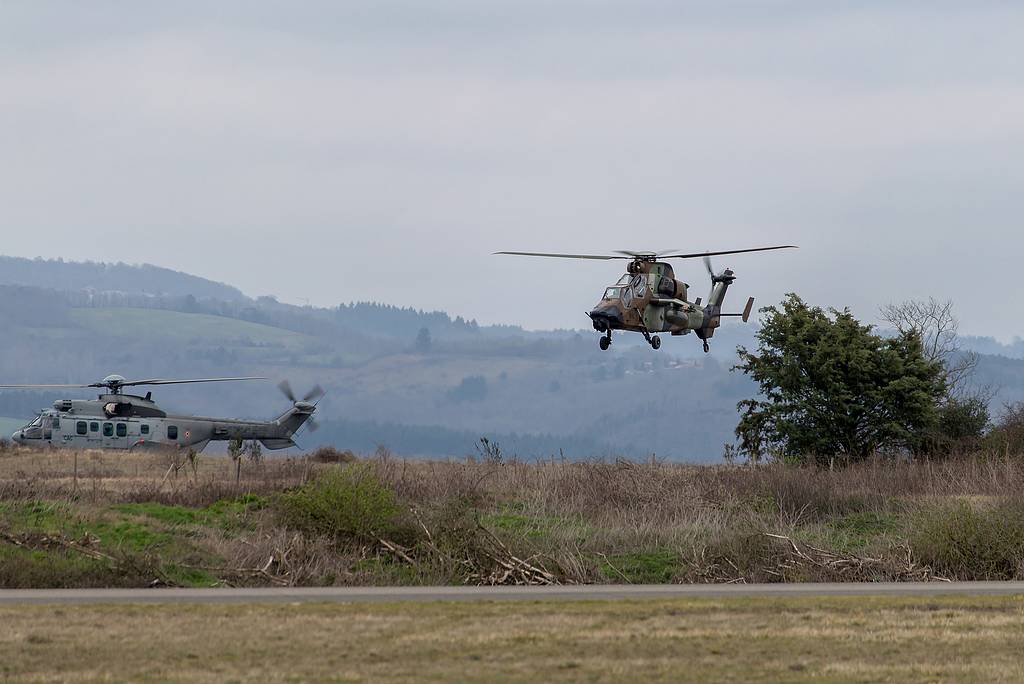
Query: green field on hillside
{"type": "Point", "coordinates": [179, 327]}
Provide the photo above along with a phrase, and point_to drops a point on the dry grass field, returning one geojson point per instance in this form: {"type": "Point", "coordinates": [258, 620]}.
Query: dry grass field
{"type": "Point", "coordinates": [752, 640]}
{"type": "Point", "coordinates": [108, 519]}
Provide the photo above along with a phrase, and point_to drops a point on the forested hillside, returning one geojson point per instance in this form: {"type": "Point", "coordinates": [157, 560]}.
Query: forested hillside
{"type": "Point", "coordinates": [142, 279]}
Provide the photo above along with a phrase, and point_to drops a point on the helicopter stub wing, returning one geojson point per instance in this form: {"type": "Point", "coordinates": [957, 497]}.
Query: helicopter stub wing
{"type": "Point", "coordinates": [661, 301]}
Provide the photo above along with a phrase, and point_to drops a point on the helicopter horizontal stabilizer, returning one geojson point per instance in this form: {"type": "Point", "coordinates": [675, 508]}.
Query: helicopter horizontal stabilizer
{"type": "Point", "coordinates": [275, 444]}
{"type": "Point", "coordinates": [746, 311]}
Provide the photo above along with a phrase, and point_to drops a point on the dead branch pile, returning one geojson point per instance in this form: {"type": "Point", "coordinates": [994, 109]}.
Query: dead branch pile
{"type": "Point", "coordinates": [278, 557]}
{"type": "Point", "coordinates": [481, 559]}
{"type": "Point", "coordinates": [770, 557]}
{"type": "Point", "coordinates": [846, 567]}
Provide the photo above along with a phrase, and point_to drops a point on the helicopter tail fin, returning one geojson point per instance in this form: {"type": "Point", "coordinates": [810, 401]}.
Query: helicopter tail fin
{"type": "Point", "coordinates": [295, 417]}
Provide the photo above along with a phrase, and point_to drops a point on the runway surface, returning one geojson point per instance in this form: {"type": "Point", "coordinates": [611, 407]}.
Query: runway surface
{"type": "Point", "coordinates": [556, 593]}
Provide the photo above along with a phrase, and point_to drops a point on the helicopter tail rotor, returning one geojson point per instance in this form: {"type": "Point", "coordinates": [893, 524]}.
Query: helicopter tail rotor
{"type": "Point", "coordinates": [312, 395]}
{"type": "Point", "coordinates": [302, 410]}
{"type": "Point", "coordinates": [286, 390]}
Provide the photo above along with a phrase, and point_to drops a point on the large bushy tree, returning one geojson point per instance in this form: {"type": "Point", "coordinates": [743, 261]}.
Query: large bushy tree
{"type": "Point", "coordinates": [832, 389]}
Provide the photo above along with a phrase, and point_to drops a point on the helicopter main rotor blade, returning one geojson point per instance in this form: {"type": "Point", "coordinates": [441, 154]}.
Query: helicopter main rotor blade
{"type": "Point", "coordinates": [707, 265]}
{"type": "Point", "coordinates": [728, 251]}
{"type": "Point", "coordinates": [160, 381]}
{"type": "Point", "coordinates": [602, 257]}
{"type": "Point", "coordinates": [45, 386]}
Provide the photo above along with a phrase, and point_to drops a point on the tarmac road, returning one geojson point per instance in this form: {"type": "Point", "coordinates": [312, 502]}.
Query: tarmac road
{"type": "Point", "coordinates": [561, 593]}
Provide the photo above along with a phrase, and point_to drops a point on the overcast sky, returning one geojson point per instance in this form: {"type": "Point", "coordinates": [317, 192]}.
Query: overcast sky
{"type": "Point", "coordinates": [382, 150]}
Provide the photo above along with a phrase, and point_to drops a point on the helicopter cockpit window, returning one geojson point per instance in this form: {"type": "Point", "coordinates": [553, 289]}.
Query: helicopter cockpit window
{"type": "Point", "coordinates": [55, 422]}
{"type": "Point", "coordinates": [33, 430]}
{"type": "Point", "coordinates": [624, 280]}
{"type": "Point", "coordinates": [639, 285]}
{"type": "Point", "coordinates": [613, 293]}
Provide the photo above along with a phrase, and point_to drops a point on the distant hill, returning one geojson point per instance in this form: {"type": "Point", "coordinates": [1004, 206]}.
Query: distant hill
{"type": "Point", "coordinates": [993, 347]}
{"type": "Point", "coordinates": [57, 274]}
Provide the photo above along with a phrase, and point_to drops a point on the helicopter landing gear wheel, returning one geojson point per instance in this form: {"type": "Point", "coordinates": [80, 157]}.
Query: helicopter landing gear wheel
{"type": "Point", "coordinates": [605, 342]}
{"type": "Point", "coordinates": [707, 347]}
{"type": "Point", "coordinates": [655, 342]}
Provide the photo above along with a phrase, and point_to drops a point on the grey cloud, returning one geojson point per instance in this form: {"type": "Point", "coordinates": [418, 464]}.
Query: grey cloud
{"type": "Point", "coordinates": [341, 151]}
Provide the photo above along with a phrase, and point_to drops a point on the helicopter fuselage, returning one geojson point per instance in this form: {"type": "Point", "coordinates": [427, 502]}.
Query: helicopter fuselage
{"type": "Point", "coordinates": [649, 300]}
{"type": "Point", "coordinates": [127, 422]}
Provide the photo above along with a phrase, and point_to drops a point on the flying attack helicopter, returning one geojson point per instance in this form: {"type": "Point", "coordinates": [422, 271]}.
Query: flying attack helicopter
{"type": "Point", "coordinates": [116, 420]}
{"type": "Point", "coordinates": [648, 299]}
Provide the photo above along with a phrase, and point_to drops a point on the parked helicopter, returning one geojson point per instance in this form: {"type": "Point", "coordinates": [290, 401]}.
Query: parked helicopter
{"type": "Point", "coordinates": [116, 420]}
{"type": "Point", "coordinates": [648, 299]}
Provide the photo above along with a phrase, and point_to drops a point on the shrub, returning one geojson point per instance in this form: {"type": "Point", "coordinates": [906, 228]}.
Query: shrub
{"type": "Point", "coordinates": [971, 542]}
{"type": "Point", "coordinates": [1008, 434]}
{"type": "Point", "coordinates": [30, 566]}
{"type": "Point", "coordinates": [961, 427]}
{"type": "Point", "coordinates": [328, 454]}
{"type": "Point", "coordinates": [347, 503]}
{"type": "Point", "coordinates": [472, 388]}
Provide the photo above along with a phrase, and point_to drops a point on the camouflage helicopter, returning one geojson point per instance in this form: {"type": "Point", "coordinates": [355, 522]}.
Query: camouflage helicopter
{"type": "Point", "coordinates": [115, 420]}
{"type": "Point", "coordinates": [648, 299]}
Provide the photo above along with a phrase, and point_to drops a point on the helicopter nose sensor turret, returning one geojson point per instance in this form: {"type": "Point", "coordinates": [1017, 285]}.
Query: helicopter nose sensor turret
{"type": "Point", "coordinates": [605, 318]}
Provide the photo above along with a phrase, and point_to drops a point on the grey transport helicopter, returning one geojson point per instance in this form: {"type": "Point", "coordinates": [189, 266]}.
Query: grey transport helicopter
{"type": "Point", "coordinates": [115, 420]}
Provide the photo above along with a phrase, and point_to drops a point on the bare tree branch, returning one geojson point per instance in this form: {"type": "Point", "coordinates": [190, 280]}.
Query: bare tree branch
{"type": "Point", "coordinates": [934, 322]}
